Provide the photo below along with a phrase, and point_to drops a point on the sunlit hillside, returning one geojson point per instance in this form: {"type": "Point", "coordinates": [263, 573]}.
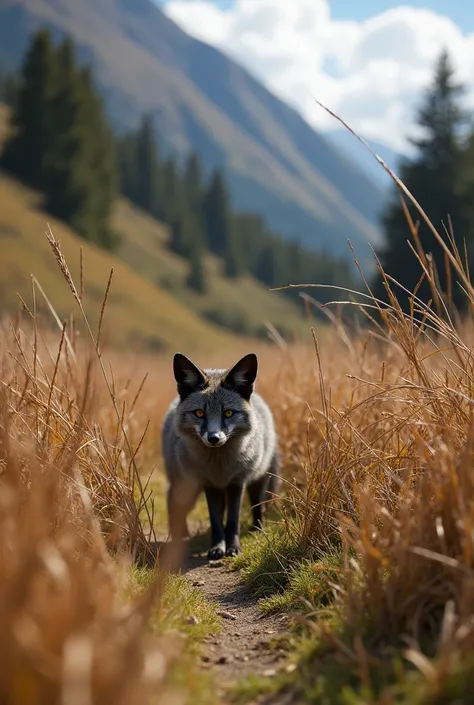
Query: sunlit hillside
{"type": "Point", "coordinates": [138, 313]}
{"type": "Point", "coordinates": [149, 297]}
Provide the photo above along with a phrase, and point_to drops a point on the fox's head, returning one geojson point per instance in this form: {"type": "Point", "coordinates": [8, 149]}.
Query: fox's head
{"type": "Point", "coordinates": [214, 404]}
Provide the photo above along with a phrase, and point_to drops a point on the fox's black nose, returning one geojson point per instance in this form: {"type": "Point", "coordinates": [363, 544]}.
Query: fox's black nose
{"type": "Point", "coordinates": [213, 439]}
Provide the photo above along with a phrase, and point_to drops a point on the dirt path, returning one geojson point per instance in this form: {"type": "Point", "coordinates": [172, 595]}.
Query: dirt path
{"type": "Point", "coordinates": [244, 645]}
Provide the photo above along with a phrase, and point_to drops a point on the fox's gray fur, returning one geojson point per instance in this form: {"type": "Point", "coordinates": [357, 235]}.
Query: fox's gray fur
{"type": "Point", "coordinates": [217, 452]}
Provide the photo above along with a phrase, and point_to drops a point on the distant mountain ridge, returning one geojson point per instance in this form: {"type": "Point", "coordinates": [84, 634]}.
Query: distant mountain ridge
{"type": "Point", "coordinates": [276, 163]}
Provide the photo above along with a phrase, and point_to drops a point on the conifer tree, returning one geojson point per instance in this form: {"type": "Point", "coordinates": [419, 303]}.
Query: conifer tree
{"type": "Point", "coordinates": [80, 168]}
{"type": "Point", "coordinates": [181, 234]}
{"type": "Point", "coordinates": [194, 187]}
{"type": "Point", "coordinates": [127, 166]}
{"type": "Point", "coordinates": [467, 187]}
{"type": "Point", "coordinates": [270, 263]}
{"type": "Point", "coordinates": [173, 191]}
{"type": "Point", "coordinates": [102, 164]}
{"type": "Point", "coordinates": [9, 89]}
{"type": "Point", "coordinates": [295, 258]}
{"type": "Point", "coordinates": [197, 279]}
{"type": "Point", "coordinates": [250, 232]}
{"type": "Point", "coordinates": [66, 169]}
{"type": "Point", "coordinates": [434, 179]}
{"type": "Point", "coordinates": [234, 264]}
{"type": "Point", "coordinates": [217, 213]}
{"type": "Point", "coordinates": [61, 141]}
{"type": "Point", "coordinates": [26, 152]}
{"type": "Point", "coordinates": [148, 187]}
{"type": "Point", "coordinates": [141, 172]}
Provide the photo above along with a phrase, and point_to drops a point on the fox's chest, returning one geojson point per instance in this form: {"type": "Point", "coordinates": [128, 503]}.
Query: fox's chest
{"type": "Point", "coordinates": [218, 469]}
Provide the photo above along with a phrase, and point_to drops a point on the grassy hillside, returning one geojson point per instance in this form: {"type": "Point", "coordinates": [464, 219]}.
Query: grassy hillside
{"type": "Point", "coordinates": [149, 305]}
{"type": "Point", "coordinates": [138, 313]}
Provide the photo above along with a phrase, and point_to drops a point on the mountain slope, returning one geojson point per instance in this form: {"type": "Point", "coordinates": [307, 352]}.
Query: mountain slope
{"type": "Point", "coordinates": [245, 305]}
{"type": "Point", "coordinates": [345, 142]}
{"type": "Point", "coordinates": [277, 164]}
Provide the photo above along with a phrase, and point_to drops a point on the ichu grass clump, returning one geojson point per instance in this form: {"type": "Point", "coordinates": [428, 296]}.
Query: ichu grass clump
{"type": "Point", "coordinates": [384, 475]}
{"type": "Point", "coordinates": [75, 626]}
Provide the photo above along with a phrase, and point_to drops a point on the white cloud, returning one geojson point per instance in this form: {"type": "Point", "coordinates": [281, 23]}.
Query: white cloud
{"type": "Point", "coordinates": [378, 66]}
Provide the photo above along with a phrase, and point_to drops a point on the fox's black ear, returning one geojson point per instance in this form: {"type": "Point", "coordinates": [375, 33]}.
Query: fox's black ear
{"type": "Point", "coordinates": [189, 378]}
{"type": "Point", "coordinates": [242, 376]}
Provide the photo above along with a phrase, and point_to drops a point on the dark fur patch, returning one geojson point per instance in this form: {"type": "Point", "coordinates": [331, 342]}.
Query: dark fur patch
{"type": "Point", "coordinates": [188, 376]}
{"type": "Point", "coordinates": [242, 376]}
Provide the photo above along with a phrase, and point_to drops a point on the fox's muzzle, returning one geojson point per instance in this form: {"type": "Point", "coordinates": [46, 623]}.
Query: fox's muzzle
{"type": "Point", "coordinates": [214, 439]}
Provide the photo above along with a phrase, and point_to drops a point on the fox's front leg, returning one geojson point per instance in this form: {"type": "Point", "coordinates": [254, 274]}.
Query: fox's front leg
{"type": "Point", "coordinates": [232, 530]}
{"type": "Point", "coordinates": [216, 505]}
{"type": "Point", "coordinates": [181, 498]}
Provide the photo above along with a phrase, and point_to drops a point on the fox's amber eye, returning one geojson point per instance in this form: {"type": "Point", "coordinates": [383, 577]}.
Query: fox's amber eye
{"type": "Point", "coordinates": [199, 413]}
{"type": "Point", "coordinates": [228, 413]}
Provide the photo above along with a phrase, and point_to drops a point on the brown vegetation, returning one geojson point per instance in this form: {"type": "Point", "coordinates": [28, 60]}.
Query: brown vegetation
{"type": "Point", "coordinates": [376, 432]}
{"type": "Point", "coordinates": [70, 491]}
{"type": "Point", "coordinates": [382, 475]}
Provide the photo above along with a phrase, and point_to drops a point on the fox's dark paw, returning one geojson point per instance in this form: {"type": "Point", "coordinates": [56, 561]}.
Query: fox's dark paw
{"type": "Point", "coordinates": [232, 551]}
{"type": "Point", "coordinates": [233, 548]}
{"type": "Point", "coordinates": [216, 552]}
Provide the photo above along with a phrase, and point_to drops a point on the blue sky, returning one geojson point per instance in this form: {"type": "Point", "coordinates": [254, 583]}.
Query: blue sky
{"type": "Point", "coordinates": [460, 11]}
{"type": "Point", "coordinates": [368, 60]}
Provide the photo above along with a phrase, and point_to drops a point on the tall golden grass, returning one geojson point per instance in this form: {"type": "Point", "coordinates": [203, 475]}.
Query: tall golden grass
{"type": "Point", "coordinates": [388, 470]}
{"type": "Point", "coordinates": [70, 499]}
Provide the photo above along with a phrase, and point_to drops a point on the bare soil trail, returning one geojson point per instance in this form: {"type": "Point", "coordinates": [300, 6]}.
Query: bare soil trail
{"type": "Point", "coordinates": [246, 643]}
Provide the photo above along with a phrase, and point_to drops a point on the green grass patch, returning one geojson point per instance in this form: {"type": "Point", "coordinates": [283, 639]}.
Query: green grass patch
{"type": "Point", "coordinates": [328, 664]}
{"type": "Point", "coordinates": [185, 610]}
{"type": "Point", "coordinates": [183, 607]}
{"type": "Point", "coordinates": [324, 675]}
{"type": "Point", "coordinates": [320, 673]}
{"type": "Point", "coordinates": [307, 582]}
{"type": "Point", "coordinates": [248, 690]}
{"type": "Point", "coordinates": [267, 559]}
{"type": "Point", "coordinates": [281, 571]}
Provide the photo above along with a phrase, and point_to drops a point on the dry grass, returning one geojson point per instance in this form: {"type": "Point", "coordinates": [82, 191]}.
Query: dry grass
{"type": "Point", "coordinates": [376, 434]}
{"type": "Point", "coordinates": [377, 430]}
{"type": "Point", "coordinates": [66, 635]}
{"type": "Point", "coordinates": [79, 624]}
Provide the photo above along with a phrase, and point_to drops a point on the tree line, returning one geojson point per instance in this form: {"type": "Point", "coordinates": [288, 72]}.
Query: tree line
{"type": "Point", "coordinates": [62, 144]}
{"type": "Point", "coordinates": [199, 213]}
